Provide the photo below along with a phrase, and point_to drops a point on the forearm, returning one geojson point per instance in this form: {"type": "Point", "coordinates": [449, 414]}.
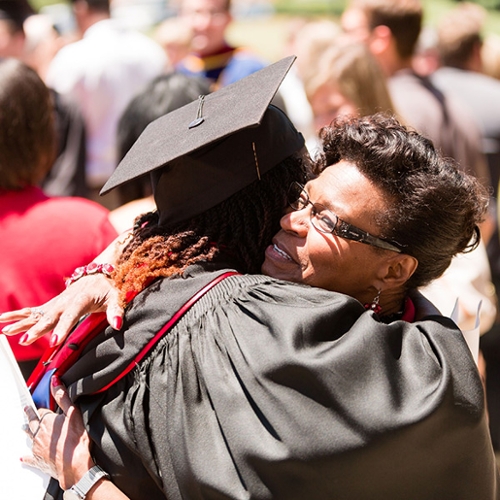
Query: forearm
{"type": "Point", "coordinates": [105, 490]}
{"type": "Point", "coordinates": [112, 252]}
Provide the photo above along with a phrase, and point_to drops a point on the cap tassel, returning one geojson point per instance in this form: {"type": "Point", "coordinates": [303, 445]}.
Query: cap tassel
{"type": "Point", "coordinates": [256, 160]}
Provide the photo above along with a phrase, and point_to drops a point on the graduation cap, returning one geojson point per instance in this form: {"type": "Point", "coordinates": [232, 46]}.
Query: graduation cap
{"type": "Point", "coordinates": [201, 154]}
{"type": "Point", "coordinates": [15, 11]}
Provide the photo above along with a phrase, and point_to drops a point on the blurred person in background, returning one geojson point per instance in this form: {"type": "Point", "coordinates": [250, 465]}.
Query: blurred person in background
{"type": "Point", "coordinates": [31, 38]}
{"type": "Point", "coordinates": [390, 29]}
{"type": "Point", "coordinates": [307, 40]}
{"type": "Point", "coordinates": [175, 39]}
{"type": "Point", "coordinates": [426, 57]}
{"type": "Point", "coordinates": [347, 81]}
{"type": "Point", "coordinates": [67, 175]}
{"type": "Point", "coordinates": [12, 16]}
{"type": "Point", "coordinates": [42, 43]}
{"type": "Point", "coordinates": [211, 55]}
{"type": "Point", "coordinates": [101, 73]}
{"type": "Point", "coordinates": [460, 75]}
{"type": "Point", "coordinates": [43, 238]}
{"type": "Point", "coordinates": [459, 45]}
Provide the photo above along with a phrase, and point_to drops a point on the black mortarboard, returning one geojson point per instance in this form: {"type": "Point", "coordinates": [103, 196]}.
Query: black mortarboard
{"type": "Point", "coordinates": [201, 154]}
{"type": "Point", "coordinates": [15, 11]}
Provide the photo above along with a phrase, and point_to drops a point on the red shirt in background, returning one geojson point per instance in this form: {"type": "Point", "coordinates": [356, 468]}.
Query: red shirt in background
{"type": "Point", "coordinates": [42, 241]}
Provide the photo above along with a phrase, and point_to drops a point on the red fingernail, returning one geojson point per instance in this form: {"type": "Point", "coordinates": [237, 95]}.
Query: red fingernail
{"type": "Point", "coordinates": [24, 338]}
{"type": "Point", "coordinates": [117, 323]}
{"type": "Point", "coordinates": [21, 459]}
{"type": "Point", "coordinates": [55, 381]}
{"type": "Point", "coordinates": [53, 340]}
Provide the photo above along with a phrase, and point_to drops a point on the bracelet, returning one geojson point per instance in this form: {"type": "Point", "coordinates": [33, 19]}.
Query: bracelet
{"type": "Point", "coordinates": [80, 490]}
{"type": "Point", "coordinates": [92, 268]}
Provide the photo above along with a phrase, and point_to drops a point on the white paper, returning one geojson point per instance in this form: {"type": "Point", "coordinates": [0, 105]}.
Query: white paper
{"type": "Point", "coordinates": [17, 481]}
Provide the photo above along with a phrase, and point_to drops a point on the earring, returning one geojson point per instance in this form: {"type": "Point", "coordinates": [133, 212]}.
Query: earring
{"type": "Point", "coordinates": [375, 306]}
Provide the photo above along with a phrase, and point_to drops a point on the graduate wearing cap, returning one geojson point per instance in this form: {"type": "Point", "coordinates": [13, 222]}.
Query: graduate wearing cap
{"type": "Point", "coordinates": [234, 386]}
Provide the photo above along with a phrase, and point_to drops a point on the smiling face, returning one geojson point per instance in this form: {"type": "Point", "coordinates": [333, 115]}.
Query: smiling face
{"type": "Point", "coordinates": [302, 254]}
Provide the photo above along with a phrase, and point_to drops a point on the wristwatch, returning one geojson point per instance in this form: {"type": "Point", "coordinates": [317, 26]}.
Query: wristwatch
{"type": "Point", "coordinates": [79, 490]}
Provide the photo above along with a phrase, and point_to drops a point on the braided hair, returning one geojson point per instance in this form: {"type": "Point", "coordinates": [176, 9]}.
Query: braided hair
{"type": "Point", "coordinates": [240, 228]}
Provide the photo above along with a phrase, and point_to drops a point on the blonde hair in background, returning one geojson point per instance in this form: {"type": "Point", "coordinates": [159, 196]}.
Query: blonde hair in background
{"type": "Point", "coordinates": [310, 43]}
{"type": "Point", "coordinates": [352, 68]}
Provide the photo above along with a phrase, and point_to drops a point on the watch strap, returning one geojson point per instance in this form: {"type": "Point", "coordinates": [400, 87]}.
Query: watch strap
{"type": "Point", "coordinates": [88, 480]}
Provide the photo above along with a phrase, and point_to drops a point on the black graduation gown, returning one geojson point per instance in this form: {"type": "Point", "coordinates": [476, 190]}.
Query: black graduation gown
{"type": "Point", "coordinates": [270, 390]}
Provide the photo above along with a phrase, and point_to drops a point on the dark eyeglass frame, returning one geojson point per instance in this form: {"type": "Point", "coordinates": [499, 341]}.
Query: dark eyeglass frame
{"type": "Point", "coordinates": [328, 222]}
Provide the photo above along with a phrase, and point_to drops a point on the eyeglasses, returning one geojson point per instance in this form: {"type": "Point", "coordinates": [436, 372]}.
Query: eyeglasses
{"type": "Point", "coordinates": [326, 221]}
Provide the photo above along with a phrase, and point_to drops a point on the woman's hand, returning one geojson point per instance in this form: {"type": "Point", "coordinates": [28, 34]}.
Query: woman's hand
{"type": "Point", "coordinates": [92, 293]}
{"type": "Point", "coordinates": [61, 445]}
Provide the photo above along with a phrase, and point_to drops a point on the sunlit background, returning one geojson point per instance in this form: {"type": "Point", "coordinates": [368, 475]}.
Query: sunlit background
{"type": "Point", "coordinates": [263, 25]}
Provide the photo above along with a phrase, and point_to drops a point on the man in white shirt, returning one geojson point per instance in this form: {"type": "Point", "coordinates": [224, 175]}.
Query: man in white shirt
{"type": "Point", "coordinates": [102, 72]}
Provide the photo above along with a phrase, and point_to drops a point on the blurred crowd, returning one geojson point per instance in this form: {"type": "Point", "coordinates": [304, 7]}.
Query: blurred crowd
{"type": "Point", "coordinates": [79, 101]}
